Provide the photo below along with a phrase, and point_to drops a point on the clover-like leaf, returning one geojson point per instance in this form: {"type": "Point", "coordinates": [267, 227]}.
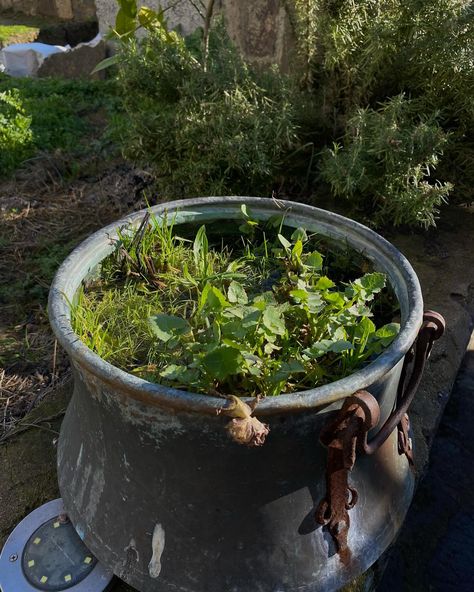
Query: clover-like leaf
{"type": "Point", "coordinates": [314, 260]}
{"type": "Point", "coordinates": [236, 293]}
{"type": "Point", "coordinates": [273, 320]}
{"type": "Point", "coordinates": [165, 327]}
{"type": "Point", "coordinates": [222, 362]}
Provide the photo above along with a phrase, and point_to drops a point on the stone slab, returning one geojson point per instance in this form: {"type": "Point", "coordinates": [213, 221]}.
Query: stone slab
{"type": "Point", "coordinates": [61, 9]}
{"type": "Point", "coordinates": [75, 64]}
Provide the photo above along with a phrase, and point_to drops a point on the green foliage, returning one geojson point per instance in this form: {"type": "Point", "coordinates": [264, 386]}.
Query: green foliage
{"type": "Point", "coordinates": [222, 128]}
{"type": "Point", "coordinates": [48, 114]}
{"type": "Point", "coordinates": [385, 164]}
{"type": "Point", "coordinates": [264, 320]}
{"type": "Point", "coordinates": [359, 53]}
{"type": "Point", "coordinates": [15, 131]}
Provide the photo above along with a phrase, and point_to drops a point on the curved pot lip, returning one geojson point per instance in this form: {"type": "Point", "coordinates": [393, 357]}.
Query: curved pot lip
{"type": "Point", "coordinates": [162, 396]}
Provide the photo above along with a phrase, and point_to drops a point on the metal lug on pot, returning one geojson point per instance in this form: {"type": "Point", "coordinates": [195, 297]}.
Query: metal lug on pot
{"type": "Point", "coordinates": [342, 435]}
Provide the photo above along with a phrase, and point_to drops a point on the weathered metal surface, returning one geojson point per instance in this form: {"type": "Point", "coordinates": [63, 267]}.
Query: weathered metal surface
{"type": "Point", "coordinates": [234, 518]}
{"type": "Point", "coordinates": [162, 496]}
{"type": "Point", "coordinates": [405, 445]}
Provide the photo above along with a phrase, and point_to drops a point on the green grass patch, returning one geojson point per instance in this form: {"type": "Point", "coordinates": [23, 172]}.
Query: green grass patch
{"type": "Point", "coordinates": [10, 34]}
{"type": "Point", "coordinates": [50, 114]}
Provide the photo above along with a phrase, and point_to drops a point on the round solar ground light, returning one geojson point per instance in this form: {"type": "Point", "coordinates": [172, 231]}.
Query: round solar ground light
{"type": "Point", "coordinates": [44, 552]}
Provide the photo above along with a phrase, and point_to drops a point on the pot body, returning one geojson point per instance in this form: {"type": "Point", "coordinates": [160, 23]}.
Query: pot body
{"type": "Point", "coordinates": [164, 498]}
{"type": "Point", "coordinates": [169, 503]}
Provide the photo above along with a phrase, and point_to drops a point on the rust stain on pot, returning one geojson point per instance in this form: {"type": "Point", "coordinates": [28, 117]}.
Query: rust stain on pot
{"type": "Point", "coordinates": [157, 547]}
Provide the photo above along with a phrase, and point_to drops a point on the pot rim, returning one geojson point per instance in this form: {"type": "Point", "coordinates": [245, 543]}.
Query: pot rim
{"type": "Point", "coordinates": [88, 253]}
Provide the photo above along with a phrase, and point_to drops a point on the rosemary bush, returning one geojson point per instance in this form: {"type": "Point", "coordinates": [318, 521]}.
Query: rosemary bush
{"type": "Point", "coordinates": [387, 83]}
{"type": "Point", "coordinates": [357, 54]}
{"type": "Point", "coordinates": [219, 129]}
{"type": "Point", "coordinates": [384, 164]}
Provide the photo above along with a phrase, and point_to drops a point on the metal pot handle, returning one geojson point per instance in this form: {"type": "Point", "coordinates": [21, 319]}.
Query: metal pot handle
{"type": "Point", "coordinates": [432, 329]}
{"type": "Point", "coordinates": [346, 433]}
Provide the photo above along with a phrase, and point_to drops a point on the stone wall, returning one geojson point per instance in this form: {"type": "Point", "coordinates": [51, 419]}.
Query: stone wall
{"type": "Point", "coordinates": [260, 28]}
{"type": "Point", "coordinates": [78, 10]}
{"type": "Point", "coordinates": [181, 14]}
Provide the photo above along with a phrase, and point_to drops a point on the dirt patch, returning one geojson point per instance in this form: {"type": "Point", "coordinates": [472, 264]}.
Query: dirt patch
{"type": "Point", "coordinates": [42, 218]}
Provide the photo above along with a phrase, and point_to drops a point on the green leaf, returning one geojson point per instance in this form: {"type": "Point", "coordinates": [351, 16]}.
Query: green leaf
{"type": "Point", "coordinates": [201, 250]}
{"type": "Point", "coordinates": [234, 344]}
{"type": "Point", "coordinates": [262, 300]}
{"type": "Point", "coordinates": [387, 333]}
{"type": "Point", "coordinates": [148, 17]}
{"type": "Point", "coordinates": [223, 362]}
{"type": "Point", "coordinates": [269, 348]}
{"type": "Point", "coordinates": [334, 298]}
{"type": "Point", "coordinates": [299, 295]}
{"type": "Point", "coordinates": [128, 7]}
{"type": "Point", "coordinates": [273, 320]}
{"type": "Point", "coordinates": [285, 370]}
{"type": "Point", "coordinates": [299, 235]}
{"type": "Point", "coordinates": [320, 348]}
{"type": "Point", "coordinates": [183, 375]}
{"type": "Point", "coordinates": [212, 299]}
{"type": "Point", "coordinates": [237, 294]}
{"type": "Point", "coordinates": [124, 23]}
{"type": "Point", "coordinates": [107, 63]}
{"type": "Point", "coordinates": [286, 243]}
{"type": "Point", "coordinates": [371, 283]}
{"type": "Point", "coordinates": [314, 260]}
{"type": "Point", "coordinates": [324, 283]}
{"type": "Point", "coordinates": [167, 326]}
{"type": "Point", "coordinates": [315, 302]}
{"type": "Point", "coordinates": [251, 318]}
{"type": "Point", "coordinates": [363, 330]}
{"type": "Point", "coordinates": [248, 226]}
{"type": "Point", "coordinates": [297, 250]}
{"type": "Point", "coordinates": [234, 330]}
{"type": "Point", "coordinates": [188, 276]}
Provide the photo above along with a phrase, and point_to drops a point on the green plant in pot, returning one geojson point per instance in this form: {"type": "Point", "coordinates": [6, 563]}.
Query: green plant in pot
{"type": "Point", "coordinates": [251, 313]}
{"type": "Point", "coordinates": [270, 321]}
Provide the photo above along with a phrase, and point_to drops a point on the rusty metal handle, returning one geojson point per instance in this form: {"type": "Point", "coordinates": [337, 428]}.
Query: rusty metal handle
{"type": "Point", "coordinates": [359, 413]}
{"type": "Point", "coordinates": [345, 434]}
{"type": "Point", "coordinates": [432, 329]}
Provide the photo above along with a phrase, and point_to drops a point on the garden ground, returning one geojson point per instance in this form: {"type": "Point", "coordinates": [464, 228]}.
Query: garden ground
{"type": "Point", "coordinates": [75, 183]}
{"type": "Point", "coordinates": [43, 215]}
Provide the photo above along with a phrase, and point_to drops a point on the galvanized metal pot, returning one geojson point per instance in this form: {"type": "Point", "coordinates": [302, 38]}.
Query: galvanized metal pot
{"type": "Point", "coordinates": [164, 498]}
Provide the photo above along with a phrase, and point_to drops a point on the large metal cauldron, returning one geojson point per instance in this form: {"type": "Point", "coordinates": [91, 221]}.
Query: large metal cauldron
{"type": "Point", "coordinates": [165, 499]}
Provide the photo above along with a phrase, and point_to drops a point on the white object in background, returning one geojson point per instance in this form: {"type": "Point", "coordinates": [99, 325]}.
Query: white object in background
{"type": "Point", "coordinates": [24, 59]}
